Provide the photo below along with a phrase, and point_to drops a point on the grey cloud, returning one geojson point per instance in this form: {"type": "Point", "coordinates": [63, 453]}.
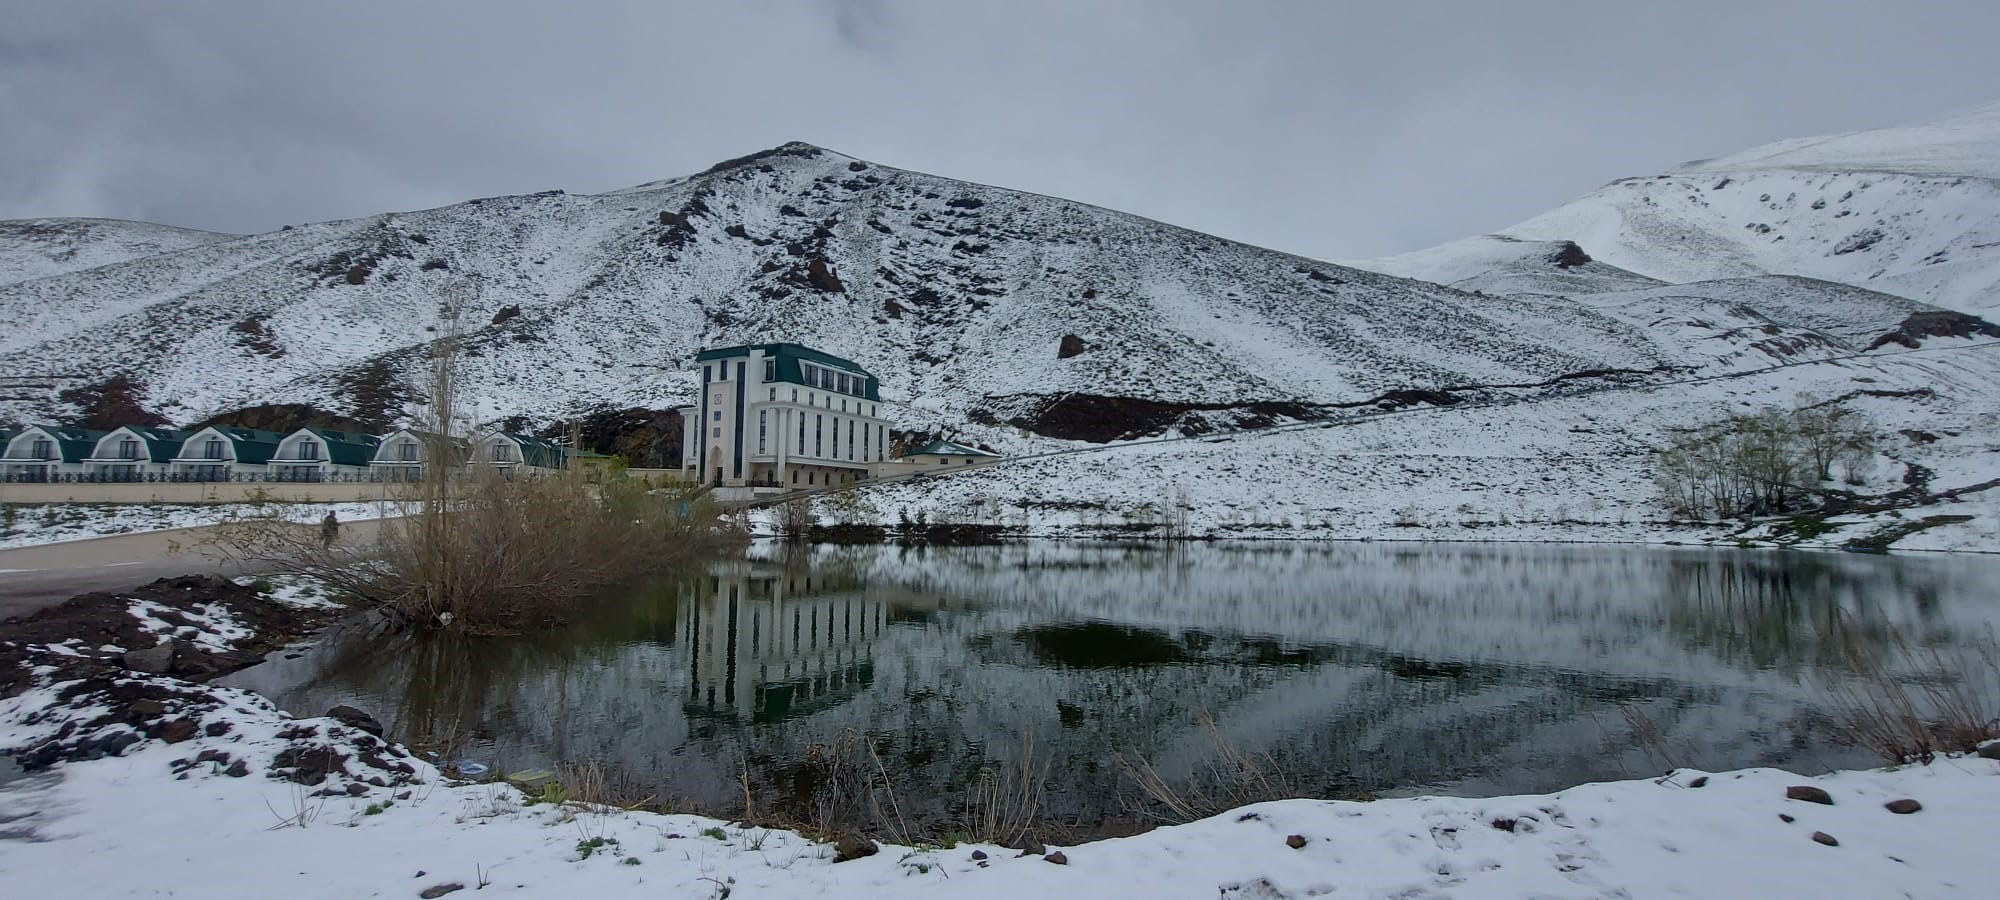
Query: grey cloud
{"type": "Point", "coordinates": [1329, 129]}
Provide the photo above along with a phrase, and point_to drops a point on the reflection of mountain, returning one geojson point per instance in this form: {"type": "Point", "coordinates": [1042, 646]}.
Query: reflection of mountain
{"type": "Point", "coordinates": [1359, 667]}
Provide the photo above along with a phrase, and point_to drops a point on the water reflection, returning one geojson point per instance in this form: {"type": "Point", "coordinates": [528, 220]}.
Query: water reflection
{"type": "Point", "coordinates": [1376, 668]}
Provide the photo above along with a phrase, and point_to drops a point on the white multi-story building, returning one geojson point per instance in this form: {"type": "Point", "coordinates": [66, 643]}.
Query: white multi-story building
{"type": "Point", "coordinates": [781, 416]}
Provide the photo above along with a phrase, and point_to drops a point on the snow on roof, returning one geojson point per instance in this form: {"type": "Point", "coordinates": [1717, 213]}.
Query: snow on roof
{"type": "Point", "coordinates": [948, 448]}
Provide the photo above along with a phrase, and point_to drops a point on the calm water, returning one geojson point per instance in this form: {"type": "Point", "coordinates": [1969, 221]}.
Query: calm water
{"type": "Point", "coordinates": [1359, 668]}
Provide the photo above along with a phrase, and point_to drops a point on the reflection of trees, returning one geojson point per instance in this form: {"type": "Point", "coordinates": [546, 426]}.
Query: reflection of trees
{"type": "Point", "coordinates": [1782, 611]}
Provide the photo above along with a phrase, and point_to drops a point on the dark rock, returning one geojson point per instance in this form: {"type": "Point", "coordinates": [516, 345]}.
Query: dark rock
{"type": "Point", "coordinates": [1936, 323]}
{"type": "Point", "coordinates": [854, 846]}
{"type": "Point", "coordinates": [237, 769]}
{"type": "Point", "coordinates": [155, 660]}
{"type": "Point", "coordinates": [507, 312]}
{"type": "Point", "coordinates": [822, 277]}
{"type": "Point", "coordinates": [357, 789]}
{"type": "Point", "coordinates": [1057, 857]}
{"type": "Point", "coordinates": [1296, 842]}
{"type": "Point", "coordinates": [978, 854]}
{"type": "Point", "coordinates": [177, 730]}
{"type": "Point", "coordinates": [1504, 824]}
{"type": "Point", "coordinates": [1032, 847]}
{"type": "Point", "coordinates": [1990, 751]}
{"type": "Point", "coordinates": [1902, 807]}
{"type": "Point", "coordinates": [1786, 819]}
{"type": "Point", "coordinates": [354, 718]}
{"type": "Point", "coordinates": [1822, 837]}
{"type": "Point", "coordinates": [216, 729]}
{"type": "Point", "coordinates": [1568, 256]}
{"type": "Point", "coordinates": [1071, 346]}
{"type": "Point", "coordinates": [212, 755]}
{"type": "Point", "coordinates": [1808, 793]}
{"type": "Point", "coordinates": [438, 890]}
{"type": "Point", "coordinates": [1089, 293]}
{"type": "Point", "coordinates": [146, 708]}
{"type": "Point", "coordinates": [1700, 781]}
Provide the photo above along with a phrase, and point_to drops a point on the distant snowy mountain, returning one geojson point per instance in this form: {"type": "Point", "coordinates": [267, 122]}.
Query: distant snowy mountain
{"type": "Point", "coordinates": [39, 248]}
{"type": "Point", "coordinates": [1913, 211]}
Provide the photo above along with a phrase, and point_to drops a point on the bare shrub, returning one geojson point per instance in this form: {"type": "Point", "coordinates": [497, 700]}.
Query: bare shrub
{"type": "Point", "coordinates": [1002, 805]}
{"type": "Point", "coordinates": [1908, 703]}
{"type": "Point", "coordinates": [1232, 778]}
{"type": "Point", "coordinates": [795, 518]}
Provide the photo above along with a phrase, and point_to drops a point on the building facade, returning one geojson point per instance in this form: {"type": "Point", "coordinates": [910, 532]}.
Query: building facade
{"type": "Point", "coordinates": [42, 452]}
{"type": "Point", "coordinates": [782, 416]}
{"type": "Point", "coordinates": [134, 453]}
{"type": "Point", "coordinates": [313, 454]}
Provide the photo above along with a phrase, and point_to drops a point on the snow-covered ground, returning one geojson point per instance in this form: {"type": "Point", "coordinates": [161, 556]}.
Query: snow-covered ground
{"type": "Point", "coordinates": [1732, 834]}
{"type": "Point", "coordinates": [27, 526]}
{"type": "Point", "coordinates": [1570, 468]}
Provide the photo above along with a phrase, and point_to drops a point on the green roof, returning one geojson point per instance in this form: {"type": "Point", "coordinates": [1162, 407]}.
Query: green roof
{"type": "Point", "coordinates": [948, 448]}
{"type": "Point", "coordinates": [789, 356]}
{"type": "Point", "coordinates": [161, 443]}
{"type": "Point", "coordinates": [460, 447]}
{"type": "Point", "coordinates": [347, 448]}
{"type": "Point", "coordinates": [540, 452]}
{"type": "Point", "coordinates": [72, 444]}
{"type": "Point", "coordinates": [253, 445]}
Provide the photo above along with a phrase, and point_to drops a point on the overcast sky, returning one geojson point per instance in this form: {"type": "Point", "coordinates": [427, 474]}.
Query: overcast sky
{"type": "Point", "coordinates": [1333, 129]}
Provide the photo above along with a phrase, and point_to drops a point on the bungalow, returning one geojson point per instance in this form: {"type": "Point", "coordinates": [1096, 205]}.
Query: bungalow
{"type": "Point", "coordinates": [220, 453]}
{"type": "Point", "coordinates": [934, 458]}
{"type": "Point", "coordinates": [312, 454]}
{"type": "Point", "coordinates": [401, 455]}
{"type": "Point", "coordinates": [134, 453]}
{"type": "Point", "coordinates": [43, 452]}
{"type": "Point", "coordinates": [510, 452]}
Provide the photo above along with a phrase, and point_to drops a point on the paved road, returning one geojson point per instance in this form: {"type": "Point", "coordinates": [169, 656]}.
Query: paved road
{"type": "Point", "coordinates": [34, 577]}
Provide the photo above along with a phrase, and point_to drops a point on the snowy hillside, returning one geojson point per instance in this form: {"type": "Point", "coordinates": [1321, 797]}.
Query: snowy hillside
{"type": "Point", "coordinates": [971, 302]}
{"type": "Point", "coordinates": [1913, 211]}
{"type": "Point", "coordinates": [38, 248]}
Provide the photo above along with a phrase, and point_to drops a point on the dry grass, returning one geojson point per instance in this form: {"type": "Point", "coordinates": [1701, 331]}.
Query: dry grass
{"type": "Point", "coordinates": [493, 554]}
{"type": "Point", "coordinates": [1908, 703]}
{"type": "Point", "coordinates": [1232, 778]}
{"type": "Point", "coordinates": [1003, 805]}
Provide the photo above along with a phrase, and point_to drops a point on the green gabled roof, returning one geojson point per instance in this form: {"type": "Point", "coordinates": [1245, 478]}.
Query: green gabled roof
{"type": "Point", "coordinates": [161, 443]}
{"type": "Point", "coordinates": [535, 451]}
{"type": "Point", "coordinates": [789, 356]}
{"type": "Point", "coordinates": [252, 445]}
{"type": "Point", "coordinates": [347, 448]}
{"type": "Point", "coordinates": [948, 448]}
{"type": "Point", "coordinates": [460, 447]}
{"type": "Point", "coordinates": [72, 444]}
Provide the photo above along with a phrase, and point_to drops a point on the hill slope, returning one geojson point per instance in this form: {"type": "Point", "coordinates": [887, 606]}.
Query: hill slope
{"type": "Point", "coordinates": [960, 296]}
{"type": "Point", "coordinates": [39, 248]}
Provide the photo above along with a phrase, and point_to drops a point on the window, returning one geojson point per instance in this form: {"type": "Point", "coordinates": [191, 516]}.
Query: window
{"type": "Point", "coordinates": [836, 439]}
{"type": "Point", "coordinates": [881, 440]}
{"type": "Point", "coordinates": [943, 462]}
{"type": "Point", "coordinates": [795, 395]}
{"type": "Point", "coordinates": [128, 449]}
{"type": "Point", "coordinates": [407, 452]}
{"type": "Point", "coordinates": [802, 433]}
{"type": "Point", "coordinates": [843, 383]}
{"type": "Point", "coordinates": [499, 452]}
{"type": "Point", "coordinates": [44, 449]}
{"type": "Point", "coordinates": [850, 439]}
{"type": "Point", "coordinates": [707, 374]}
{"type": "Point", "coordinates": [774, 395]}
{"type": "Point", "coordinates": [308, 449]}
{"type": "Point", "coordinates": [716, 433]}
{"type": "Point", "coordinates": [761, 422]}
{"type": "Point", "coordinates": [843, 404]}
{"type": "Point", "coordinates": [724, 374]}
{"type": "Point", "coordinates": [770, 370]}
{"type": "Point", "coordinates": [212, 449]}
{"type": "Point", "coordinates": [864, 442]}
{"type": "Point", "coordinates": [819, 434]}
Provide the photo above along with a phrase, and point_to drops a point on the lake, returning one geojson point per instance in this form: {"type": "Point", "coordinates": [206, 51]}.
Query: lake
{"type": "Point", "coordinates": [1348, 670]}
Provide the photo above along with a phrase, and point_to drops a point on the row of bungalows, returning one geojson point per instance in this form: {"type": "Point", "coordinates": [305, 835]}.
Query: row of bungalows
{"type": "Point", "coordinates": [226, 453]}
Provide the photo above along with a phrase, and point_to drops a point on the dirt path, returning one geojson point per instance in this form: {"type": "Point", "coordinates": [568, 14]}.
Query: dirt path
{"type": "Point", "coordinates": [39, 576]}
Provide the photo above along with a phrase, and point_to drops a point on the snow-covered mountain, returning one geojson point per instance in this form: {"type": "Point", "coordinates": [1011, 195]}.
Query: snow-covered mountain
{"type": "Point", "coordinates": [1913, 211]}
{"type": "Point", "coordinates": [39, 248]}
{"type": "Point", "coordinates": [973, 303]}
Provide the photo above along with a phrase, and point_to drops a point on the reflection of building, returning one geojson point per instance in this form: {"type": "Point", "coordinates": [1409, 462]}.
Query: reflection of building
{"type": "Point", "coordinates": [768, 644]}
